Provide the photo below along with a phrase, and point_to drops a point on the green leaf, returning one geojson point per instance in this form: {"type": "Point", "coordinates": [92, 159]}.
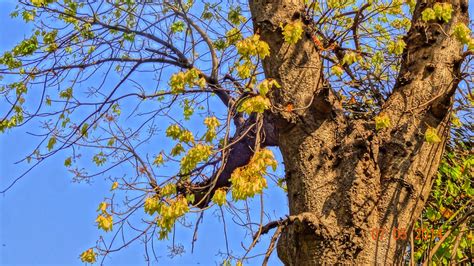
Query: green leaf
{"type": "Point", "coordinates": [99, 159]}
{"type": "Point", "coordinates": [178, 26]}
{"type": "Point", "coordinates": [51, 143]}
{"type": "Point", "coordinates": [84, 130]}
{"type": "Point", "coordinates": [396, 47]}
{"type": "Point", "coordinates": [428, 14]}
{"type": "Point", "coordinates": [462, 33]}
{"type": "Point", "coordinates": [235, 15]}
{"type": "Point", "coordinates": [111, 142]}
{"type": "Point", "coordinates": [190, 198]}
{"type": "Point", "coordinates": [66, 94]}
{"type": "Point", "coordinates": [173, 131]}
{"type": "Point", "coordinates": [443, 11]}
{"type": "Point", "coordinates": [67, 162]}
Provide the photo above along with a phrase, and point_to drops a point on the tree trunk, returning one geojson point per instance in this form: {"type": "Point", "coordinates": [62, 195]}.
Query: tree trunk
{"type": "Point", "coordinates": [352, 183]}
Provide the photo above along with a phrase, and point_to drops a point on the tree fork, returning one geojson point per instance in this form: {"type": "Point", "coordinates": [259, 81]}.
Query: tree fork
{"type": "Point", "coordinates": [352, 178]}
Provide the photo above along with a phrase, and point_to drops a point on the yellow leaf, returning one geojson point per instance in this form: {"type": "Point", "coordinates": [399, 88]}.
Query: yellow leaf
{"type": "Point", "coordinates": [455, 121]}
{"type": "Point", "coordinates": [337, 70]}
{"type": "Point", "coordinates": [257, 104]}
{"type": "Point", "coordinates": [382, 121]}
{"type": "Point", "coordinates": [102, 207]}
{"type": "Point", "coordinates": [88, 256]}
{"type": "Point", "coordinates": [151, 205]}
{"type": "Point", "coordinates": [168, 190]}
{"type": "Point", "coordinates": [267, 84]}
{"type": "Point", "coordinates": [249, 180]}
{"type": "Point", "coordinates": [219, 197]}
{"type": "Point", "coordinates": [105, 222]}
{"type": "Point", "coordinates": [431, 136]}
{"type": "Point", "coordinates": [159, 160]}
{"type": "Point", "coordinates": [446, 212]}
{"type": "Point", "coordinates": [114, 186]}
{"type": "Point", "coordinates": [292, 32]}
{"type": "Point", "coordinates": [253, 46]}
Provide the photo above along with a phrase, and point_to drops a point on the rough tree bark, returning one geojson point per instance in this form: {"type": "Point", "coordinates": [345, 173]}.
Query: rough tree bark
{"type": "Point", "coordinates": [345, 175]}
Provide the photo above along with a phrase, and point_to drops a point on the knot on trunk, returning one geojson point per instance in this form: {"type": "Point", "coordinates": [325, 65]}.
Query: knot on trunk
{"type": "Point", "coordinates": [304, 235]}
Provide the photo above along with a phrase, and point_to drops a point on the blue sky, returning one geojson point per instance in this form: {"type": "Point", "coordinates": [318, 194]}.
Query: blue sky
{"type": "Point", "coordinates": [46, 219]}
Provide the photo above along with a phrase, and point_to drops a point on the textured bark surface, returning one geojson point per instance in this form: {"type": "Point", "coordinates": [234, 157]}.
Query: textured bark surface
{"type": "Point", "coordinates": [350, 177]}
